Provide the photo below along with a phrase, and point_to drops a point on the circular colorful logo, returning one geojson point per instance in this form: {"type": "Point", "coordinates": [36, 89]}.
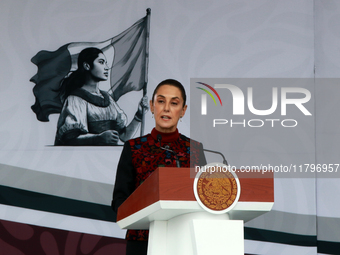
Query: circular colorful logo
{"type": "Point", "coordinates": [216, 188]}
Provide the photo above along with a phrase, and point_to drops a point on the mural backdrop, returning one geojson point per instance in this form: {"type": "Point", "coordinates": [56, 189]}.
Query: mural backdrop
{"type": "Point", "coordinates": [57, 198]}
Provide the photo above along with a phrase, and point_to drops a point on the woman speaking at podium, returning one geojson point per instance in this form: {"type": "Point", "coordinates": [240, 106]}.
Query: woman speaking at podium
{"type": "Point", "coordinates": [163, 147]}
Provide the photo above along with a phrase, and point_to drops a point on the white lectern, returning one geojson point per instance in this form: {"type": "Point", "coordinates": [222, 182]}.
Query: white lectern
{"type": "Point", "coordinates": [165, 204]}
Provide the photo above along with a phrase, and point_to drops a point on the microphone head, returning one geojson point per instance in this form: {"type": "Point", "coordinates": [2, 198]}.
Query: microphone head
{"type": "Point", "coordinates": [183, 137]}
{"type": "Point", "coordinates": [159, 137]}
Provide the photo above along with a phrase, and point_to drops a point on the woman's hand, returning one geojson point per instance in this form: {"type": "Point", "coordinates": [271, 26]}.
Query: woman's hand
{"type": "Point", "coordinates": [143, 107]}
{"type": "Point", "coordinates": [109, 137]}
{"type": "Point", "coordinates": [143, 104]}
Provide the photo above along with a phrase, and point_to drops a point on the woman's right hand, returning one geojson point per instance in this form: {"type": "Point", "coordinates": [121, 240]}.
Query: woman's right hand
{"type": "Point", "coordinates": [108, 137]}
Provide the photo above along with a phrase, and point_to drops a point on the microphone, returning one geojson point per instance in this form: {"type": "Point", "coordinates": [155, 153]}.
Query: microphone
{"type": "Point", "coordinates": [217, 152]}
{"type": "Point", "coordinates": [167, 148]}
{"type": "Point", "coordinates": [159, 139]}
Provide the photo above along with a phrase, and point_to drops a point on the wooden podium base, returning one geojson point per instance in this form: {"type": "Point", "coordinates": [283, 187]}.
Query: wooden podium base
{"type": "Point", "coordinates": [198, 233]}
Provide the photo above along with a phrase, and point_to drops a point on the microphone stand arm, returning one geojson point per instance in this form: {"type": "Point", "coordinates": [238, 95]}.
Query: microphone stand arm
{"type": "Point", "coordinates": [216, 152]}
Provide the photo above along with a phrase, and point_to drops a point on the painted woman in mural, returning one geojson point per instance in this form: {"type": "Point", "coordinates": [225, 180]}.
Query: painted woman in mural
{"type": "Point", "coordinates": [90, 116]}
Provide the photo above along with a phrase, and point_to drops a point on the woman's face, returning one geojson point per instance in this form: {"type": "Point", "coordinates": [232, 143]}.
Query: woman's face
{"type": "Point", "coordinates": [100, 69]}
{"type": "Point", "coordinates": [167, 108]}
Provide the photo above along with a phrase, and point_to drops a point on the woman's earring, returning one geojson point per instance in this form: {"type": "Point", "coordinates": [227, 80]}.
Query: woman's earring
{"type": "Point", "coordinates": [180, 119]}
{"type": "Point", "coordinates": [152, 115]}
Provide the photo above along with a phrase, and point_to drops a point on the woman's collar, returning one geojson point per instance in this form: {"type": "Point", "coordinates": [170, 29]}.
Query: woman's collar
{"type": "Point", "coordinates": [165, 137]}
{"type": "Point", "coordinates": [93, 98]}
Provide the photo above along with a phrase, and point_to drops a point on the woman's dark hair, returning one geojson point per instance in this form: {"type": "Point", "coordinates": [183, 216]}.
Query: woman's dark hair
{"type": "Point", "coordinates": [174, 83]}
{"type": "Point", "coordinates": [77, 78]}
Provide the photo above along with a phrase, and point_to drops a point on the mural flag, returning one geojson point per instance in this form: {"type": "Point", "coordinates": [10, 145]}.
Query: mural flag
{"type": "Point", "coordinates": [126, 53]}
{"type": "Point", "coordinates": [129, 71]}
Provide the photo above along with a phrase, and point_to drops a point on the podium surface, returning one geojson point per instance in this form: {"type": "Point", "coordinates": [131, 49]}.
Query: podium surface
{"type": "Point", "coordinates": [168, 192]}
